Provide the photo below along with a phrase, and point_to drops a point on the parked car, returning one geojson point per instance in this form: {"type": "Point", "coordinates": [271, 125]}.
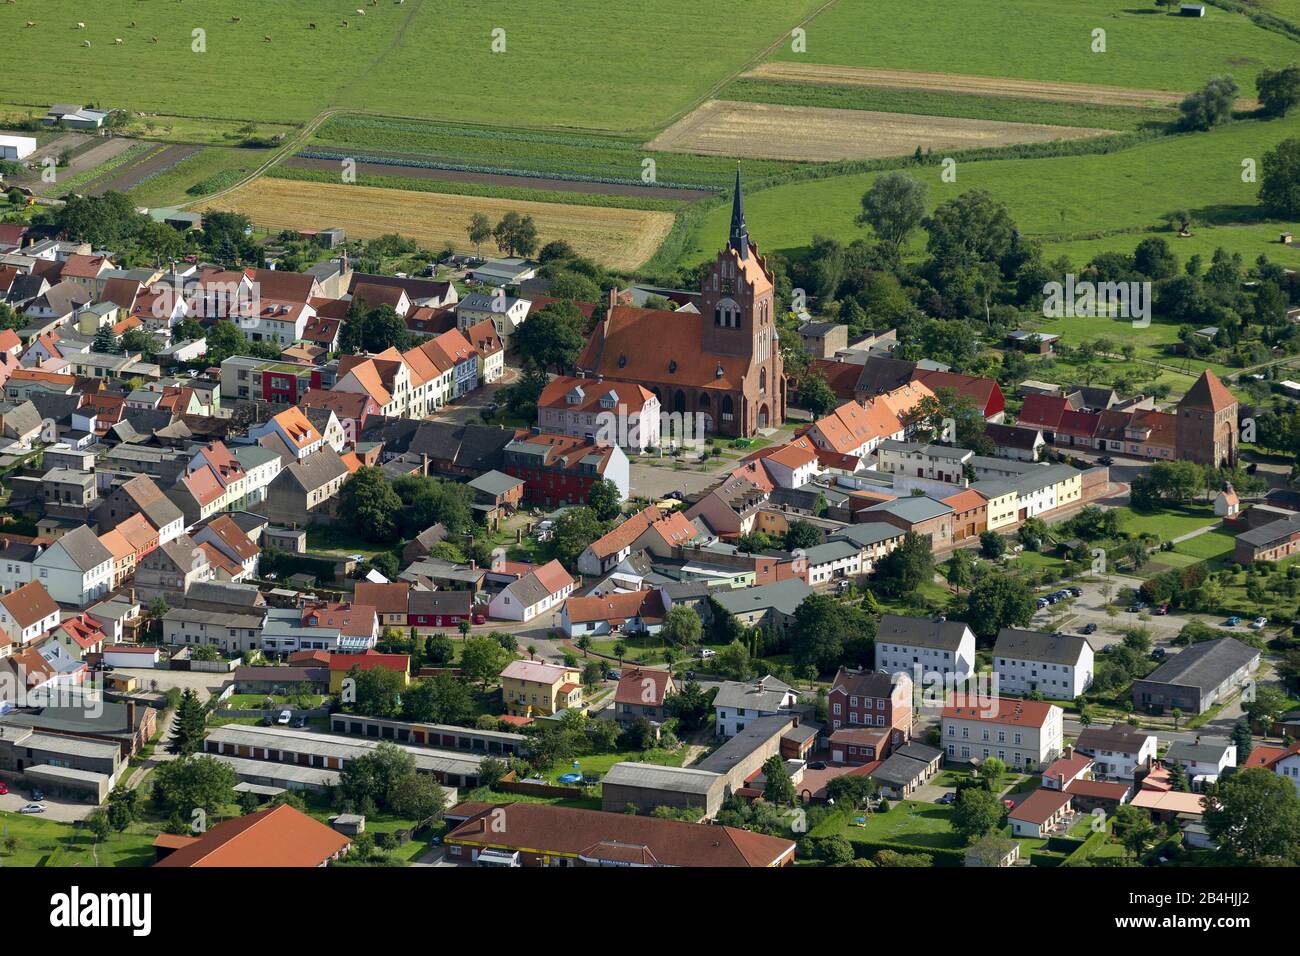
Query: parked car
{"type": "Point", "coordinates": [612, 675]}
{"type": "Point", "coordinates": [1259, 622]}
{"type": "Point", "coordinates": [1077, 592]}
{"type": "Point", "coordinates": [38, 794]}
{"type": "Point", "coordinates": [33, 808]}
{"type": "Point", "coordinates": [1139, 606]}
{"type": "Point", "coordinates": [1042, 603]}
{"type": "Point", "coordinates": [705, 653]}
{"type": "Point", "coordinates": [300, 722]}
{"type": "Point", "coordinates": [1232, 621]}
{"type": "Point", "coordinates": [4, 788]}
{"type": "Point", "coordinates": [1089, 628]}
{"type": "Point", "coordinates": [947, 798]}
{"type": "Point", "coordinates": [1162, 610]}
{"type": "Point", "coordinates": [479, 619]}
{"type": "Point", "coordinates": [1106, 460]}
{"type": "Point", "coordinates": [1158, 654]}
{"type": "Point", "coordinates": [284, 718]}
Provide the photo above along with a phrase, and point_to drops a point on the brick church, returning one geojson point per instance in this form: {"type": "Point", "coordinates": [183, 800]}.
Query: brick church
{"type": "Point", "coordinates": [1206, 432]}
{"type": "Point", "coordinates": [721, 363]}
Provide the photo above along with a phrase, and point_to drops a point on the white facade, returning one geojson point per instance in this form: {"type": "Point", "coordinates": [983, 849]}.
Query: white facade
{"type": "Point", "coordinates": [1017, 745]}
{"type": "Point", "coordinates": [65, 579]}
{"type": "Point", "coordinates": [1055, 681]}
{"type": "Point", "coordinates": [921, 663]}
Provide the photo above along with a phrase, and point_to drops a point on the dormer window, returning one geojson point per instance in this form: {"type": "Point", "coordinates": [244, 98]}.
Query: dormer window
{"type": "Point", "coordinates": [622, 360]}
{"type": "Point", "coordinates": [718, 372]}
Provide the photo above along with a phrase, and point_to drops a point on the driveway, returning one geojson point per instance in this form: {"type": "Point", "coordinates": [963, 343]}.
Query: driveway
{"type": "Point", "coordinates": [64, 811]}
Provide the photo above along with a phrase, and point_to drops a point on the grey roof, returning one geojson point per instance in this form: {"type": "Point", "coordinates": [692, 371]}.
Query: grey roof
{"type": "Point", "coordinates": [84, 548]}
{"type": "Point", "coordinates": [316, 470]}
{"type": "Point", "coordinates": [216, 618]}
{"type": "Point", "coordinates": [930, 451]}
{"type": "Point", "coordinates": [251, 456]}
{"type": "Point", "coordinates": [224, 592]}
{"type": "Point", "coordinates": [336, 745]}
{"type": "Point", "coordinates": [495, 483]}
{"type": "Point", "coordinates": [899, 769]}
{"type": "Point", "coordinates": [1273, 531]}
{"type": "Point", "coordinates": [1202, 751]}
{"type": "Point", "coordinates": [1205, 665]}
{"type": "Point", "coordinates": [655, 777]}
{"type": "Point", "coordinates": [783, 596]}
{"type": "Point", "coordinates": [913, 508]}
{"type": "Point", "coordinates": [745, 694]}
{"type": "Point", "coordinates": [831, 551]}
{"type": "Point", "coordinates": [919, 752]}
{"type": "Point", "coordinates": [1119, 737]}
{"type": "Point", "coordinates": [868, 533]}
{"type": "Point", "coordinates": [921, 631]}
{"type": "Point", "coordinates": [756, 734]}
{"type": "Point", "coordinates": [1039, 646]}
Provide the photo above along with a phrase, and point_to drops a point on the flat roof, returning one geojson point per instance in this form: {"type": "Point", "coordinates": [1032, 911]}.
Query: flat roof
{"type": "Point", "coordinates": [336, 745]}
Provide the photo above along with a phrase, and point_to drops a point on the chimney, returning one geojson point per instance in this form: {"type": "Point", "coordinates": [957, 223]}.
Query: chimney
{"type": "Point", "coordinates": [1067, 751]}
{"type": "Point", "coordinates": [130, 716]}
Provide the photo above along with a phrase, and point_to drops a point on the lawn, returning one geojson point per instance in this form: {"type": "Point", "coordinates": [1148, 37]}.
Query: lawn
{"type": "Point", "coordinates": [1170, 523]}
{"type": "Point", "coordinates": [337, 541]}
{"type": "Point", "coordinates": [600, 763]}
{"type": "Point", "coordinates": [204, 172]}
{"type": "Point", "coordinates": [258, 701]}
{"type": "Point", "coordinates": [1045, 40]}
{"type": "Point", "coordinates": [908, 822]}
{"type": "Point", "coordinates": [584, 63]}
{"type": "Point", "coordinates": [43, 842]}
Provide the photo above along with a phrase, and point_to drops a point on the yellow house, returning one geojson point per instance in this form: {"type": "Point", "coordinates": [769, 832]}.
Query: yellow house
{"type": "Point", "coordinates": [1069, 489]}
{"type": "Point", "coordinates": [341, 666]}
{"type": "Point", "coordinates": [536, 689]}
{"type": "Point", "coordinates": [1002, 503]}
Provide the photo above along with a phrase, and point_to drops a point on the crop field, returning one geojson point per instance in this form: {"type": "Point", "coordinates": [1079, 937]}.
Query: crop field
{"type": "Point", "coordinates": [1057, 198]}
{"type": "Point", "coordinates": [813, 133]}
{"type": "Point", "coordinates": [826, 75]}
{"type": "Point", "coordinates": [618, 238]}
{"type": "Point", "coordinates": [1145, 48]}
{"type": "Point", "coordinates": [582, 63]}
{"type": "Point", "coordinates": [931, 102]}
{"type": "Point", "coordinates": [195, 174]}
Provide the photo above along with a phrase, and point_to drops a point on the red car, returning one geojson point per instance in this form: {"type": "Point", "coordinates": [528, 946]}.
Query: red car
{"type": "Point", "coordinates": [1009, 804]}
{"type": "Point", "coordinates": [480, 619]}
{"type": "Point", "coordinates": [4, 788]}
{"type": "Point", "coordinates": [1162, 610]}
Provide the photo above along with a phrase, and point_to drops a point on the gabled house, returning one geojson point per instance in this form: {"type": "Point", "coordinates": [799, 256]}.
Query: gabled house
{"type": "Point", "coordinates": [76, 569]}
{"type": "Point", "coordinates": [629, 612]}
{"type": "Point", "coordinates": [541, 590]}
{"type": "Point", "coordinates": [738, 703]}
{"type": "Point", "coordinates": [1118, 752]}
{"type": "Point", "coordinates": [870, 714]}
{"type": "Point", "coordinates": [27, 613]}
{"type": "Point", "coordinates": [536, 689]}
{"type": "Point", "coordinates": [640, 693]}
{"type": "Point", "coordinates": [1059, 666]}
{"type": "Point", "coordinates": [925, 648]}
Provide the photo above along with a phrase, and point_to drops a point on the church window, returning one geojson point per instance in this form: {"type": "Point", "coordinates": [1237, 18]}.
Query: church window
{"type": "Point", "coordinates": [672, 366]}
{"type": "Point", "coordinates": [762, 382]}
{"type": "Point", "coordinates": [717, 315]}
{"type": "Point", "coordinates": [728, 408]}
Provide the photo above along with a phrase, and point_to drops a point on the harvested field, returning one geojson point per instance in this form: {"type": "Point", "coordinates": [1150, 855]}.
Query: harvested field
{"type": "Point", "coordinates": [818, 134]}
{"type": "Point", "coordinates": [617, 238]}
{"type": "Point", "coordinates": [825, 74]}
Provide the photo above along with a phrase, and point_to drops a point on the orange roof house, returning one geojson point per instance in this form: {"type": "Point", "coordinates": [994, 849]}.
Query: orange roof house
{"type": "Point", "coordinates": [277, 837]}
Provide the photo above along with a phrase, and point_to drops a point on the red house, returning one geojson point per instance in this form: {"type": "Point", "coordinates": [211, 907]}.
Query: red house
{"type": "Point", "coordinates": [870, 714]}
{"type": "Point", "coordinates": [432, 609]}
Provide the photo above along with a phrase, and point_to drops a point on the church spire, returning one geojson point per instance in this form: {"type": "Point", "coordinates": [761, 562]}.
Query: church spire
{"type": "Point", "coordinates": [739, 239]}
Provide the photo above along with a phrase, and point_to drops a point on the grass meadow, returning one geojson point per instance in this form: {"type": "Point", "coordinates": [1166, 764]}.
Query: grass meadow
{"type": "Point", "coordinates": [582, 63]}
{"type": "Point", "coordinates": [1146, 48]}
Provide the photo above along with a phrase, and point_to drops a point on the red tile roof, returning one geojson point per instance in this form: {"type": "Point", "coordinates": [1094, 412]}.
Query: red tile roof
{"type": "Point", "coordinates": [279, 837]}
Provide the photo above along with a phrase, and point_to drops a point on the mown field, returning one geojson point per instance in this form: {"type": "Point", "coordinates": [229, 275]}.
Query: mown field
{"type": "Point", "coordinates": [618, 238]}
{"type": "Point", "coordinates": [582, 63]}
{"type": "Point", "coordinates": [1046, 40]}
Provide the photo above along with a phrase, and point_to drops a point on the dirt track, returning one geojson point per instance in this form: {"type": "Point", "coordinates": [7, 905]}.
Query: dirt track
{"type": "Point", "coordinates": [965, 84]}
{"type": "Point", "coordinates": [817, 134]}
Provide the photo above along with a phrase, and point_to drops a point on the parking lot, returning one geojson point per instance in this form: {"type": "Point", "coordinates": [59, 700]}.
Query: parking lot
{"type": "Point", "coordinates": [64, 811]}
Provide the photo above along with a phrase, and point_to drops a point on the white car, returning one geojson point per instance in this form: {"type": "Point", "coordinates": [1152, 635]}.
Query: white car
{"type": "Point", "coordinates": [33, 808]}
{"type": "Point", "coordinates": [284, 718]}
{"type": "Point", "coordinates": [706, 652]}
{"type": "Point", "coordinates": [1259, 622]}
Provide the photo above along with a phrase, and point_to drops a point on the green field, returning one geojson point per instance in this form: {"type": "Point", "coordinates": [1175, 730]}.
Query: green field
{"type": "Point", "coordinates": [1046, 40]}
{"type": "Point", "coordinates": [583, 63]}
{"type": "Point", "coordinates": [1058, 197]}
{"type": "Point", "coordinates": [560, 154]}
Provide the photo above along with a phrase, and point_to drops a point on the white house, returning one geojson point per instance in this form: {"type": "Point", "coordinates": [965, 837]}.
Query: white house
{"type": "Point", "coordinates": [931, 650]}
{"type": "Point", "coordinates": [27, 613]}
{"type": "Point", "coordinates": [1024, 734]}
{"type": "Point", "coordinates": [541, 590]}
{"type": "Point", "coordinates": [1203, 761]}
{"type": "Point", "coordinates": [505, 312]}
{"type": "Point", "coordinates": [738, 703]}
{"type": "Point", "coordinates": [76, 569]}
{"type": "Point", "coordinates": [16, 147]}
{"type": "Point", "coordinates": [1059, 666]}
{"type": "Point", "coordinates": [1117, 751]}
